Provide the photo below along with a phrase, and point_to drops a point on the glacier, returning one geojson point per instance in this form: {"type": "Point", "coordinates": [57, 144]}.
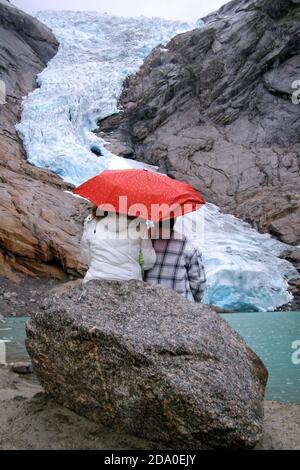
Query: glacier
{"type": "Point", "coordinates": [81, 85]}
{"type": "Point", "coordinates": [243, 267]}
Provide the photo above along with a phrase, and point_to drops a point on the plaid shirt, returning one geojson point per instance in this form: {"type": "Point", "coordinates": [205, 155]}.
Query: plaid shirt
{"type": "Point", "coordinates": [179, 267]}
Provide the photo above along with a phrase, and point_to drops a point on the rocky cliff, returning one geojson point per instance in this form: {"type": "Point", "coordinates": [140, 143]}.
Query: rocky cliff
{"type": "Point", "coordinates": [214, 108]}
{"type": "Point", "coordinates": [39, 224]}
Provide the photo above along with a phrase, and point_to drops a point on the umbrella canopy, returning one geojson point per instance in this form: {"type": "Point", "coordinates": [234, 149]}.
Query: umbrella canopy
{"type": "Point", "coordinates": [140, 193]}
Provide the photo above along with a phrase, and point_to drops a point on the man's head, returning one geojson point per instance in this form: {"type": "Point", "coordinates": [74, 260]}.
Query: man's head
{"type": "Point", "coordinates": [167, 224]}
{"type": "Point", "coordinates": [163, 230]}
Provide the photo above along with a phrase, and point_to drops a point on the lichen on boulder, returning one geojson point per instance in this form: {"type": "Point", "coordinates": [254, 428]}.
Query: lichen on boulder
{"type": "Point", "coordinates": [144, 361]}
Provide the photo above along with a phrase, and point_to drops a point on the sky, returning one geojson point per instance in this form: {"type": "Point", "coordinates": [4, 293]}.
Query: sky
{"type": "Point", "coordinates": [186, 10]}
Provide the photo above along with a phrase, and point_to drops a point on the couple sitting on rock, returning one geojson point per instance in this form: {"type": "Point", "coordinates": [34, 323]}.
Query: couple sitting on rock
{"type": "Point", "coordinates": [119, 248]}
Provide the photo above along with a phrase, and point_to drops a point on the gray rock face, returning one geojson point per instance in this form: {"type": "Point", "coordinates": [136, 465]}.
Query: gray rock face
{"type": "Point", "coordinates": [143, 360]}
{"type": "Point", "coordinates": [26, 47]}
{"type": "Point", "coordinates": [214, 108]}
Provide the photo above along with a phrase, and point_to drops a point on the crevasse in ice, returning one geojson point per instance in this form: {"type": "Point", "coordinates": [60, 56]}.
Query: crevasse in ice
{"type": "Point", "coordinates": [82, 84]}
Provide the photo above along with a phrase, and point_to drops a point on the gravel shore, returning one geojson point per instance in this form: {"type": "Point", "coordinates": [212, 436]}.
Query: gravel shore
{"type": "Point", "coordinates": [31, 421]}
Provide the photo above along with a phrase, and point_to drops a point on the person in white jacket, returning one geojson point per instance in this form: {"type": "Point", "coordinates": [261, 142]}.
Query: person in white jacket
{"type": "Point", "coordinates": [112, 248]}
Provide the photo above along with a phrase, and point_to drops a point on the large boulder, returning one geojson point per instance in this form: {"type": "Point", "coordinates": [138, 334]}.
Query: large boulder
{"type": "Point", "coordinates": [40, 225]}
{"type": "Point", "coordinates": [144, 361]}
{"type": "Point", "coordinates": [214, 108]}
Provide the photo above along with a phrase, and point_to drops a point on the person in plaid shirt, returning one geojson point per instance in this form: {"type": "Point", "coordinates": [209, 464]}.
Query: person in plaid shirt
{"type": "Point", "coordinates": [178, 265]}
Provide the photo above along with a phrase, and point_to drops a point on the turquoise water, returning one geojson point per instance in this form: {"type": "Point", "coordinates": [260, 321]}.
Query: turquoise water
{"type": "Point", "coordinates": [270, 335]}
{"type": "Point", "coordinates": [12, 337]}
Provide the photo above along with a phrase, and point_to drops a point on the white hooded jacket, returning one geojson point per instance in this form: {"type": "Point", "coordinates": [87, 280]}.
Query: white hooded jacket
{"type": "Point", "coordinates": [111, 248]}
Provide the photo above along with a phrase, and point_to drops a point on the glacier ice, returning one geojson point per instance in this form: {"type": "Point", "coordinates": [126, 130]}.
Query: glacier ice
{"type": "Point", "coordinates": [244, 269]}
{"type": "Point", "coordinates": [81, 85]}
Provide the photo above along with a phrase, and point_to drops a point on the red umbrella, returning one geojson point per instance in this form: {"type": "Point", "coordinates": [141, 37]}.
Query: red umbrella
{"type": "Point", "coordinates": [140, 193]}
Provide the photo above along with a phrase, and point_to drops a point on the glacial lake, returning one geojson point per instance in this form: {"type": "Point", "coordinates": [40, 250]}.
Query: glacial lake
{"type": "Point", "coordinates": [274, 336]}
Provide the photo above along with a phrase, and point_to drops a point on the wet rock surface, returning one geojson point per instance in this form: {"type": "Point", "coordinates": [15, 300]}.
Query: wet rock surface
{"type": "Point", "coordinates": [40, 225]}
{"type": "Point", "coordinates": [22, 368]}
{"type": "Point", "coordinates": [144, 361]}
